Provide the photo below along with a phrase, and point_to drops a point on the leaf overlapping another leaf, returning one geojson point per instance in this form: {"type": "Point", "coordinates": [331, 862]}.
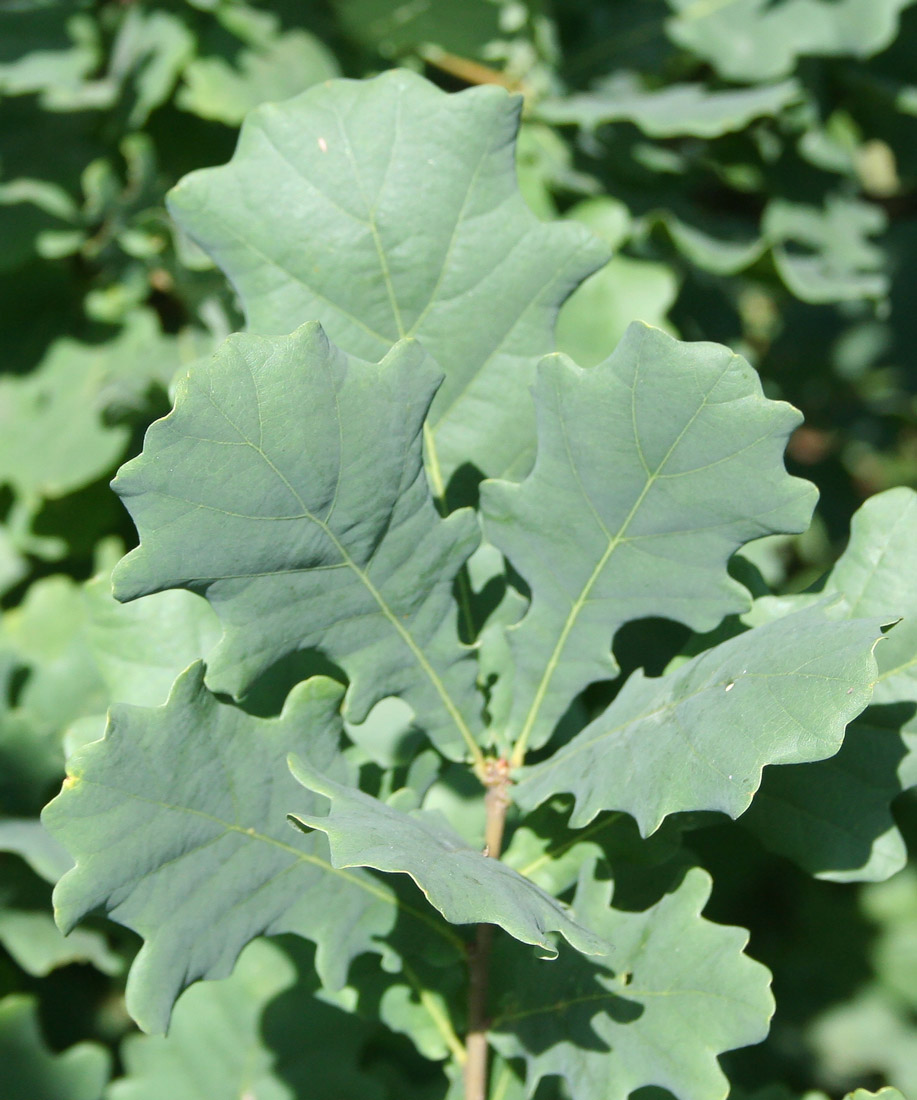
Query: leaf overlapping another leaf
{"type": "Point", "coordinates": [386, 209]}
{"type": "Point", "coordinates": [697, 738]}
{"type": "Point", "coordinates": [680, 993]}
{"type": "Point", "coordinates": [466, 886]}
{"type": "Point", "coordinates": [177, 824]}
{"type": "Point", "coordinates": [652, 469]}
{"type": "Point", "coordinates": [288, 487]}
{"type": "Point", "coordinates": [834, 818]}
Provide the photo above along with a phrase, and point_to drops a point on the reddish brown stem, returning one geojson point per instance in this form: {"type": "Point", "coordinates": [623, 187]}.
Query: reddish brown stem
{"type": "Point", "coordinates": [496, 780]}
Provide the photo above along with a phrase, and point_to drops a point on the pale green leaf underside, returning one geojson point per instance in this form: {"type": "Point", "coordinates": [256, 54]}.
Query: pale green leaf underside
{"type": "Point", "coordinates": [261, 1033]}
{"type": "Point", "coordinates": [30, 1069]}
{"type": "Point", "coordinates": [653, 468]}
{"type": "Point", "coordinates": [673, 111]}
{"type": "Point", "coordinates": [681, 993]}
{"type": "Point", "coordinates": [466, 886]}
{"type": "Point", "coordinates": [698, 738]}
{"type": "Point", "coordinates": [177, 824]}
{"type": "Point", "coordinates": [384, 209]}
{"type": "Point", "coordinates": [288, 486]}
{"type": "Point", "coordinates": [834, 818]}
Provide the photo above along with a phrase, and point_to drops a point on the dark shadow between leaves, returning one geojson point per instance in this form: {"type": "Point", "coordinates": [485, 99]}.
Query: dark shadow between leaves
{"type": "Point", "coordinates": [266, 696]}
{"type": "Point", "coordinates": [542, 1003]}
{"type": "Point", "coordinates": [829, 815]}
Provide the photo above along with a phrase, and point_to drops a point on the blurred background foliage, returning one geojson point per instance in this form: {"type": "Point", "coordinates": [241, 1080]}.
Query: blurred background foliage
{"type": "Point", "coordinates": [754, 166]}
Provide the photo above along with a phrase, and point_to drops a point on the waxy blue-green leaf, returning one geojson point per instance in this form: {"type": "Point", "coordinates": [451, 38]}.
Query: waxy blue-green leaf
{"type": "Point", "coordinates": [176, 821]}
{"type": "Point", "coordinates": [653, 468]}
{"type": "Point", "coordinates": [697, 738]}
{"type": "Point", "coordinates": [752, 40]}
{"type": "Point", "coordinates": [31, 1070]}
{"type": "Point", "coordinates": [385, 209]}
{"type": "Point", "coordinates": [466, 886]}
{"type": "Point", "coordinates": [259, 1033]}
{"type": "Point", "coordinates": [680, 992]}
{"type": "Point", "coordinates": [834, 818]}
{"type": "Point", "coordinates": [141, 647]}
{"type": "Point", "coordinates": [673, 111]}
{"type": "Point", "coordinates": [288, 486]}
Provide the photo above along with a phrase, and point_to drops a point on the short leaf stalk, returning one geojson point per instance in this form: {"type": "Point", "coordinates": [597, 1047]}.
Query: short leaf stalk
{"type": "Point", "coordinates": [496, 778]}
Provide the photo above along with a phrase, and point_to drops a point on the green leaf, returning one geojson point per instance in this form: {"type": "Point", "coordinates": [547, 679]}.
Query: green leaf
{"type": "Point", "coordinates": [751, 40]}
{"type": "Point", "coordinates": [51, 49]}
{"type": "Point", "coordinates": [466, 886]}
{"type": "Point", "coordinates": [31, 1071]}
{"type": "Point", "coordinates": [44, 641]}
{"type": "Point", "coordinates": [141, 647]}
{"type": "Point", "coordinates": [596, 315]}
{"type": "Point", "coordinates": [55, 429]}
{"type": "Point", "coordinates": [697, 738]}
{"type": "Point", "coordinates": [176, 821]}
{"type": "Point", "coordinates": [260, 1033]}
{"type": "Point", "coordinates": [826, 255]}
{"type": "Point", "coordinates": [288, 487]}
{"type": "Point", "coordinates": [28, 838]}
{"type": "Point", "coordinates": [666, 453]}
{"type": "Point", "coordinates": [672, 111]}
{"type": "Point", "coordinates": [284, 66]}
{"type": "Point", "coordinates": [317, 217]}
{"type": "Point", "coordinates": [834, 818]}
{"type": "Point", "coordinates": [681, 992]}
{"type": "Point", "coordinates": [464, 29]}
{"type": "Point", "coordinates": [37, 945]}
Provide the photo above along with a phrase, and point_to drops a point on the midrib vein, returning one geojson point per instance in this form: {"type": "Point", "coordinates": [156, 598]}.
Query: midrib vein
{"type": "Point", "coordinates": [519, 749]}
{"type": "Point", "coordinates": [364, 882]}
{"type": "Point", "coordinates": [392, 618]}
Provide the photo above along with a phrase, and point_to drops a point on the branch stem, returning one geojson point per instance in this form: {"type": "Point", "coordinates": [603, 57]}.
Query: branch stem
{"type": "Point", "coordinates": [496, 780]}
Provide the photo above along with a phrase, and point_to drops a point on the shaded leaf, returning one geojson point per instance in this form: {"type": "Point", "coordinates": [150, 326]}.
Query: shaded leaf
{"type": "Point", "coordinates": [681, 992]}
{"type": "Point", "coordinates": [464, 885]}
{"type": "Point", "coordinates": [665, 454]}
{"type": "Point", "coordinates": [259, 1033]}
{"type": "Point", "coordinates": [469, 270]}
{"type": "Point", "coordinates": [834, 818]}
{"type": "Point", "coordinates": [288, 487]}
{"type": "Point", "coordinates": [30, 1070]}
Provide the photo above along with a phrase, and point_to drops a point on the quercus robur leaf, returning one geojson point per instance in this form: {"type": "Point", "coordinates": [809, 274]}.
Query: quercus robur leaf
{"type": "Point", "coordinates": [177, 824]}
{"type": "Point", "coordinates": [652, 469]}
{"type": "Point", "coordinates": [834, 818]}
{"type": "Point", "coordinates": [259, 1033]}
{"type": "Point", "coordinates": [31, 1070]}
{"type": "Point", "coordinates": [697, 738]}
{"type": "Point", "coordinates": [680, 993]}
{"type": "Point", "coordinates": [288, 487]}
{"type": "Point", "coordinates": [466, 886]}
{"type": "Point", "coordinates": [141, 647]}
{"type": "Point", "coordinates": [387, 208]}
{"type": "Point", "coordinates": [752, 40]}
{"type": "Point", "coordinates": [673, 111]}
